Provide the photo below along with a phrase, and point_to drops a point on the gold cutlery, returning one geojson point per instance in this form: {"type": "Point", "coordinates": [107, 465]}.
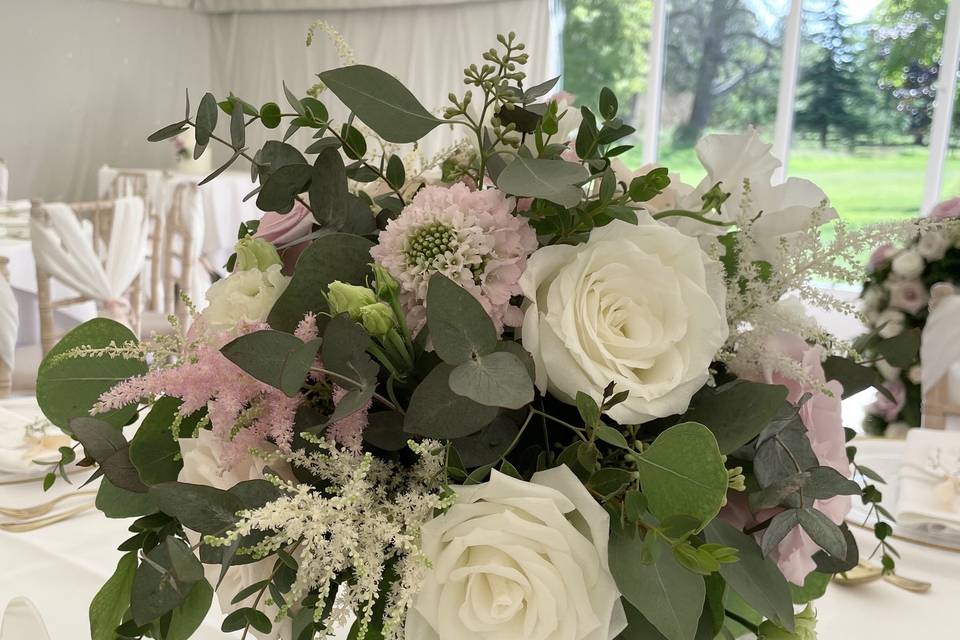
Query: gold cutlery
{"type": "Point", "coordinates": [867, 572]}
{"type": "Point", "coordinates": [25, 513]}
{"type": "Point", "coordinates": [38, 523]}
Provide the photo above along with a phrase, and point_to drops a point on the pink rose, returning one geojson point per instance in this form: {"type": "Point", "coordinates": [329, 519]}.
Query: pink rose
{"type": "Point", "coordinates": [946, 209]}
{"type": "Point", "coordinates": [822, 418]}
{"type": "Point", "coordinates": [909, 295]}
{"type": "Point", "coordinates": [888, 409]}
{"type": "Point", "coordinates": [880, 255]}
{"type": "Point", "coordinates": [284, 230]}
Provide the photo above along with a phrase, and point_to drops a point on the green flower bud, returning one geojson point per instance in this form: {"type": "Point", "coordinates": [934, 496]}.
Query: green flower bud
{"type": "Point", "coordinates": [348, 298]}
{"type": "Point", "coordinates": [805, 627]}
{"type": "Point", "coordinates": [384, 284]}
{"type": "Point", "coordinates": [255, 253]}
{"type": "Point", "coordinates": [377, 319]}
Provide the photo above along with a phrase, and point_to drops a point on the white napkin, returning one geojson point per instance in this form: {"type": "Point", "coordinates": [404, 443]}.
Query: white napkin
{"type": "Point", "coordinates": [930, 481]}
{"type": "Point", "coordinates": [22, 621]}
{"type": "Point", "coordinates": [25, 436]}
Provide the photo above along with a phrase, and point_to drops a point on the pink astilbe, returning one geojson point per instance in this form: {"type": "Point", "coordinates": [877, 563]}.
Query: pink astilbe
{"type": "Point", "coordinates": [243, 411]}
{"type": "Point", "coordinates": [348, 431]}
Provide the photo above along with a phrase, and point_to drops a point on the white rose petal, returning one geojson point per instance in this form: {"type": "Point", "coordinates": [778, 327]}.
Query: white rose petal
{"type": "Point", "coordinates": [515, 560]}
{"type": "Point", "coordinates": [908, 264]}
{"type": "Point", "coordinates": [638, 305]}
{"type": "Point", "coordinates": [244, 296]}
{"type": "Point", "coordinates": [893, 322]}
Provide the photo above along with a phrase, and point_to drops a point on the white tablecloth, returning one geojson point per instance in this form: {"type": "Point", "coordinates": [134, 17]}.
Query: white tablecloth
{"type": "Point", "coordinates": [23, 279]}
{"type": "Point", "coordinates": [223, 206]}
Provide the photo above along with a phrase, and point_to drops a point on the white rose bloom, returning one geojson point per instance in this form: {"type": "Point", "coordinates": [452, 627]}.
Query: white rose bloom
{"type": "Point", "coordinates": [638, 305]}
{"type": "Point", "coordinates": [201, 465]}
{"type": "Point", "coordinates": [933, 245]}
{"type": "Point", "coordinates": [515, 560]}
{"type": "Point", "coordinates": [908, 264]}
{"type": "Point", "coordinates": [873, 298]}
{"type": "Point", "coordinates": [243, 296]}
{"type": "Point", "coordinates": [893, 322]}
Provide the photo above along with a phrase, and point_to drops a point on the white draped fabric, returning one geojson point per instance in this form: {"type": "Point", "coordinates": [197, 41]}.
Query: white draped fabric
{"type": "Point", "coordinates": [940, 347]}
{"type": "Point", "coordinates": [9, 322]}
{"type": "Point", "coordinates": [65, 248]}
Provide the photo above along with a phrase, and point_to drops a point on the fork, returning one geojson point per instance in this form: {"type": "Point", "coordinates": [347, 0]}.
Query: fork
{"type": "Point", "coordinates": [25, 513]}
{"type": "Point", "coordinates": [38, 523]}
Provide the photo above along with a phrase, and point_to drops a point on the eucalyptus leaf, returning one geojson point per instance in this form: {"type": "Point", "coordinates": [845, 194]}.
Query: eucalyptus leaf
{"type": "Point", "coordinates": [154, 450]}
{"type": "Point", "coordinates": [682, 473]}
{"type": "Point", "coordinates": [68, 388]}
{"type": "Point", "coordinates": [384, 430]}
{"type": "Point", "coordinates": [781, 524]}
{"type": "Point", "coordinates": [736, 412]}
{"type": "Point", "coordinates": [435, 411]}
{"type": "Point", "coordinates": [497, 379]}
{"type": "Point", "coordinates": [459, 327]}
{"type": "Point", "coordinates": [280, 189]}
{"type": "Point", "coordinates": [163, 581]}
{"type": "Point", "coordinates": [328, 189]}
{"type": "Point", "coordinates": [337, 256]}
{"type": "Point", "coordinates": [667, 595]}
{"type": "Point", "coordinates": [756, 578]}
{"type": "Point", "coordinates": [381, 102]}
{"type": "Point", "coordinates": [823, 531]}
{"type": "Point", "coordinates": [274, 357]}
{"type": "Point", "coordinates": [902, 350]}
{"type": "Point", "coordinates": [553, 180]}
{"type": "Point", "coordinates": [167, 132]}
{"type": "Point", "coordinates": [115, 502]}
{"type": "Point", "coordinates": [188, 616]}
{"type": "Point", "coordinates": [207, 114]}
{"type": "Point", "coordinates": [270, 115]}
{"type": "Point", "coordinates": [113, 598]}
{"type": "Point", "coordinates": [487, 445]}
{"type": "Point", "coordinates": [202, 508]}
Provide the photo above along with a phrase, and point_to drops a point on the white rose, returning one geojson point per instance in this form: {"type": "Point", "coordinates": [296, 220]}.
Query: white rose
{"type": "Point", "coordinates": [933, 245]}
{"type": "Point", "coordinates": [638, 305]}
{"type": "Point", "coordinates": [873, 298]}
{"type": "Point", "coordinates": [908, 264]}
{"type": "Point", "coordinates": [202, 458]}
{"type": "Point", "coordinates": [243, 296]}
{"type": "Point", "coordinates": [893, 322]}
{"type": "Point", "coordinates": [515, 560]}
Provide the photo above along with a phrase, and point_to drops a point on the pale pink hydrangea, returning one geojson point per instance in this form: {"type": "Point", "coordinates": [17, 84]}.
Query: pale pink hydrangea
{"type": "Point", "coordinates": [822, 418]}
{"type": "Point", "coordinates": [472, 237]}
{"type": "Point", "coordinates": [206, 378]}
{"type": "Point", "coordinates": [908, 295]}
{"type": "Point", "coordinates": [886, 408]}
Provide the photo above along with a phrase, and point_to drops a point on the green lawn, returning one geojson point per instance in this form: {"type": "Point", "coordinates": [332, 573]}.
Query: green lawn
{"type": "Point", "coordinates": [869, 185]}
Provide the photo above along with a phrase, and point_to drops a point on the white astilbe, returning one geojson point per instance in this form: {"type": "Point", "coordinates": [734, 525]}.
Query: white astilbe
{"type": "Point", "coordinates": [755, 308]}
{"type": "Point", "coordinates": [367, 517]}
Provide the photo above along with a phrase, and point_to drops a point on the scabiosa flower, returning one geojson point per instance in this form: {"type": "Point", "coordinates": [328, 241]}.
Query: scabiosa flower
{"type": "Point", "coordinates": [471, 237]}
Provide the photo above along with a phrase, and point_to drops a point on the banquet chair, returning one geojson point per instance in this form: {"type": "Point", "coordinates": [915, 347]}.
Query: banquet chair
{"type": "Point", "coordinates": [182, 265]}
{"type": "Point", "coordinates": [9, 322]}
{"type": "Point", "coordinates": [939, 402]}
{"type": "Point", "coordinates": [99, 217]}
{"type": "Point", "coordinates": [133, 182]}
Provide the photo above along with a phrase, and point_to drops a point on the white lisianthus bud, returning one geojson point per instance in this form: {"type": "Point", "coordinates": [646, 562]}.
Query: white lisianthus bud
{"type": "Point", "coordinates": [255, 253]}
{"type": "Point", "coordinates": [377, 319]}
{"type": "Point", "coordinates": [348, 298]}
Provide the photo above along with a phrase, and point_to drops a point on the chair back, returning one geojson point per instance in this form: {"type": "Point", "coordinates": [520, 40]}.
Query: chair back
{"type": "Point", "coordinates": [137, 183]}
{"type": "Point", "coordinates": [98, 218]}
{"type": "Point", "coordinates": [939, 340]}
{"type": "Point", "coordinates": [181, 251]}
{"type": "Point", "coordinates": [9, 320]}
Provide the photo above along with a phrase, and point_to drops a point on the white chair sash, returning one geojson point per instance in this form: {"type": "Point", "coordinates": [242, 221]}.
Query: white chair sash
{"type": "Point", "coordinates": [940, 346]}
{"type": "Point", "coordinates": [9, 323]}
{"type": "Point", "coordinates": [65, 248]}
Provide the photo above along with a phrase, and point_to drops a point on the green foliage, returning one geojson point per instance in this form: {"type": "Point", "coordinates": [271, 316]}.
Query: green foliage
{"type": "Point", "coordinates": [115, 502]}
{"type": "Point", "coordinates": [277, 358]}
{"type": "Point", "coordinates": [67, 387]}
{"type": "Point", "coordinates": [112, 600]}
{"type": "Point", "coordinates": [336, 256]}
{"type": "Point", "coordinates": [436, 411]}
{"type": "Point", "coordinates": [381, 102]}
{"type": "Point", "coordinates": [459, 327]}
{"type": "Point", "coordinates": [106, 444]}
{"type": "Point", "coordinates": [553, 180]}
{"type": "Point", "coordinates": [164, 580]}
{"type": "Point", "coordinates": [188, 616]}
{"type": "Point", "coordinates": [154, 450]}
{"type": "Point", "coordinates": [665, 593]}
{"type": "Point", "coordinates": [736, 412]}
{"type": "Point", "coordinates": [682, 473]}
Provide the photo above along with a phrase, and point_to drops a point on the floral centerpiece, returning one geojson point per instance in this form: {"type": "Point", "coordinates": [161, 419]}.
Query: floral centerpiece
{"type": "Point", "coordinates": [512, 392]}
{"type": "Point", "coordinates": [895, 299]}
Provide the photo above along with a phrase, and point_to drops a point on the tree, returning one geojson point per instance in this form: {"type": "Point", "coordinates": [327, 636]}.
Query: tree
{"type": "Point", "coordinates": [909, 38]}
{"type": "Point", "coordinates": [714, 47]}
{"type": "Point", "coordinates": [605, 44]}
{"type": "Point", "coordinates": [832, 94]}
